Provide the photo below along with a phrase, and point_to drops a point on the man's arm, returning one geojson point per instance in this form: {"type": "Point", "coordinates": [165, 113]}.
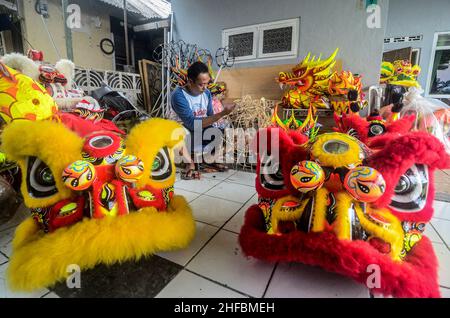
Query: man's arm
{"type": "Point", "coordinates": [183, 110]}
{"type": "Point", "coordinates": [212, 118]}
{"type": "Point", "coordinates": [181, 107]}
{"type": "Point", "coordinates": [208, 121]}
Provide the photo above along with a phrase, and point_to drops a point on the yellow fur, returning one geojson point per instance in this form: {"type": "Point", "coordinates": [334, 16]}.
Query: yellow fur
{"type": "Point", "coordinates": [342, 224]}
{"type": "Point", "coordinates": [352, 157]}
{"type": "Point", "coordinates": [40, 260]}
{"type": "Point", "coordinates": [51, 142]}
{"type": "Point", "coordinates": [279, 215]}
{"type": "Point", "coordinates": [391, 232]}
{"type": "Point", "coordinates": [147, 138]}
{"type": "Point", "coordinates": [320, 210]}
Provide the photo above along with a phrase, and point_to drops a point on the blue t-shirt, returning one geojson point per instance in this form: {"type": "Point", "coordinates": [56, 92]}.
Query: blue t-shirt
{"type": "Point", "coordinates": [191, 108]}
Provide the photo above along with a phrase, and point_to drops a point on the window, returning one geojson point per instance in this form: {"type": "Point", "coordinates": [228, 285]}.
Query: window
{"type": "Point", "coordinates": [273, 40]}
{"type": "Point", "coordinates": [438, 82]}
{"type": "Point", "coordinates": [400, 39]}
{"type": "Point", "coordinates": [415, 56]}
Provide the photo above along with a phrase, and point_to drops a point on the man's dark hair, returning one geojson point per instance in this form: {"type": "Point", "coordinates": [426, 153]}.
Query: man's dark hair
{"type": "Point", "coordinates": [195, 69]}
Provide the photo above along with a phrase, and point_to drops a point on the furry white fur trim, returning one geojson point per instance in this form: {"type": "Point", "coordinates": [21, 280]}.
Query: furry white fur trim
{"type": "Point", "coordinates": [67, 68]}
{"type": "Point", "coordinates": [23, 64]}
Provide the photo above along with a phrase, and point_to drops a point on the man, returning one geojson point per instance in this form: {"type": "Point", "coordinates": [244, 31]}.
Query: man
{"type": "Point", "coordinates": [193, 105]}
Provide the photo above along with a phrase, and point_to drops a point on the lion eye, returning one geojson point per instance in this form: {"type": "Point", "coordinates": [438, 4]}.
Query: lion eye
{"type": "Point", "coordinates": [411, 191]}
{"type": "Point", "coordinates": [40, 180]}
{"type": "Point", "coordinates": [270, 174]}
{"type": "Point", "coordinates": [162, 166]}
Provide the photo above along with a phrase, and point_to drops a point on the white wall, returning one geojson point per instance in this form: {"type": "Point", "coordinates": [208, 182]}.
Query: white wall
{"type": "Point", "coordinates": [417, 17]}
{"type": "Point", "coordinates": [324, 25]}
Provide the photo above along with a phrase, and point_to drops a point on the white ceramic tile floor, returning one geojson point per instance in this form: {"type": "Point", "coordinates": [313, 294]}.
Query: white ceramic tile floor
{"type": "Point", "coordinates": [443, 255]}
{"type": "Point", "coordinates": [232, 191]}
{"type": "Point", "coordinates": [237, 221]}
{"type": "Point", "coordinates": [189, 196]}
{"type": "Point", "coordinates": [293, 280]}
{"type": "Point", "coordinates": [189, 285]}
{"type": "Point", "coordinates": [198, 186]}
{"type": "Point", "coordinates": [213, 211]}
{"type": "Point", "coordinates": [3, 259]}
{"type": "Point", "coordinates": [51, 295]}
{"type": "Point", "coordinates": [441, 210]}
{"type": "Point", "coordinates": [203, 234]}
{"type": "Point", "coordinates": [222, 260]}
{"type": "Point", "coordinates": [6, 238]}
{"type": "Point", "coordinates": [243, 178]}
{"type": "Point", "coordinates": [445, 292]}
{"type": "Point", "coordinates": [219, 175]}
{"type": "Point", "coordinates": [431, 233]}
{"type": "Point", "coordinates": [443, 228]}
{"type": "Point", "coordinates": [215, 266]}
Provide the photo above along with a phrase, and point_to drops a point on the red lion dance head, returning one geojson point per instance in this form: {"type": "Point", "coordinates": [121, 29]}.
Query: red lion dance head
{"type": "Point", "coordinates": [336, 203]}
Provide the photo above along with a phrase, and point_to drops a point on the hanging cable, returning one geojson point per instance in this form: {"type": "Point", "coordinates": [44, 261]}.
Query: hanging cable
{"type": "Point", "coordinates": [51, 37]}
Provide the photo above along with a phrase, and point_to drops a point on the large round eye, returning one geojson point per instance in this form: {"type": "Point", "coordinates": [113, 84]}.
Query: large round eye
{"type": "Point", "coordinates": [336, 147]}
{"type": "Point", "coordinates": [40, 180]}
{"type": "Point", "coordinates": [130, 168]}
{"type": "Point", "coordinates": [162, 166]}
{"type": "Point", "coordinates": [270, 174]}
{"type": "Point", "coordinates": [411, 190]}
{"type": "Point", "coordinates": [307, 176]}
{"type": "Point", "coordinates": [79, 175]}
{"type": "Point", "coordinates": [353, 132]}
{"type": "Point", "coordinates": [376, 129]}
{"type": "Point", "coordinates": [365, 184]}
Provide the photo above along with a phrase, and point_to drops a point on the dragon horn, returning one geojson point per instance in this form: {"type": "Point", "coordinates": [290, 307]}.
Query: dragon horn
{"type": "Point", "coordinates": [292, 120]}
{"type": "Point", "coordinates": [328, 61]}
{"type": "Point", "coordinates": [276, 120]}
{"type": "Point", "coordinates": [306, 59]}
{"type": "Point", "coordinates": [309, 120]}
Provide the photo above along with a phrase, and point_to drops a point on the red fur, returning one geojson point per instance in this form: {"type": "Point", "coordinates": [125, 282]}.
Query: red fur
{"type": "Point", "coordinates": [139, 203]}
{"type": "Point", "coordinates": [415, 276]}
{"type": "Point", "coordinates": [102, 152]}
{"type": "Point", "coordinates": [55, 220]}
{"type": "Point", "coordinates": [399, 154]}
{"type": "Point", "coordinates": [379, 142]}
{"type": "Point", "coordinates": [402, 125]}
{"type": "Point", "coordinates": [290, 154]}
{"type": "Point", "coordinates": [84, 127]}
{"type": "Point", "coordinates": [359, 124]}
{"type": "Point", "coordinates": [297, 137]}
{"type": "Point", "coordinates": [121, 199]}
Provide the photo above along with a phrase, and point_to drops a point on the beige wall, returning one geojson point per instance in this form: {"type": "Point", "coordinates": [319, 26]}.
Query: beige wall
{"type": "Point", "coordinates": [85, 41]}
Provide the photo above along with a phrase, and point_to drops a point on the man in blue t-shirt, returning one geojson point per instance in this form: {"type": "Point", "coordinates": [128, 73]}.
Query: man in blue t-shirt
{"type": "Point", "coordinates": [193, 105]}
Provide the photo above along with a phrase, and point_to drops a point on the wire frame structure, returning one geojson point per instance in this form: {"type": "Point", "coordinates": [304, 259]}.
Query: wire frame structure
{"type": "Point", "coordinates": [175, 58]}
{"type": "Point", "coordinates": [249, 115]}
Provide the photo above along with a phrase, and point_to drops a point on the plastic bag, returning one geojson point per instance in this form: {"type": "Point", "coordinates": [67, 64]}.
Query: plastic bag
{"type": "Point", "coordinates": [432, 115]}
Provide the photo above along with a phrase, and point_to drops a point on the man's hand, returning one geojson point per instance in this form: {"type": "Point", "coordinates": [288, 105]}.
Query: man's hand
{"type": "Point", "coordinates": [228, 108]}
